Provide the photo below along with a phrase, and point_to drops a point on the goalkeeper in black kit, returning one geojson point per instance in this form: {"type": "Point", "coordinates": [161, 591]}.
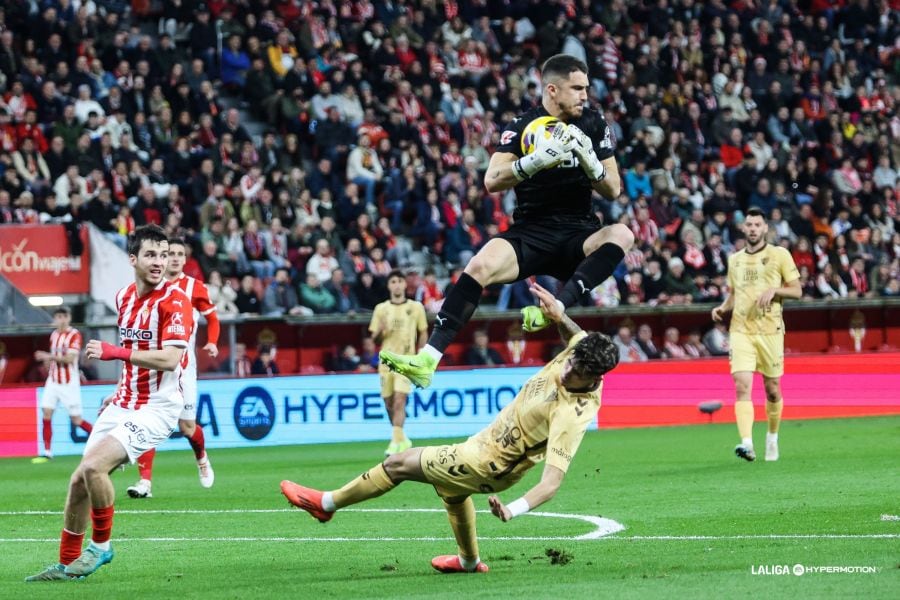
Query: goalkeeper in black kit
{"type": "Point", "coordinates": [555, 156]}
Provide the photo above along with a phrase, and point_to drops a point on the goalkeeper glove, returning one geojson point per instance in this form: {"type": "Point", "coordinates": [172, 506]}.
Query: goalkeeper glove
{"type": "Point", "coordinates": [548, 152]}
{"type": "Point", "coordinates": [583, 148]}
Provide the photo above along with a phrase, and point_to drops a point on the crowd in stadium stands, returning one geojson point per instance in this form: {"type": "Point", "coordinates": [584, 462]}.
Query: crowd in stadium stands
{"type": "Point", "coordinates": [380, 117]}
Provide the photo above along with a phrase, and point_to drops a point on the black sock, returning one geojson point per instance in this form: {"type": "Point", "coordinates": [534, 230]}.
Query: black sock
{"type": "Point", "coordinates": [592, 271]}
{"type": "Point", "coordinates": [456, 311]}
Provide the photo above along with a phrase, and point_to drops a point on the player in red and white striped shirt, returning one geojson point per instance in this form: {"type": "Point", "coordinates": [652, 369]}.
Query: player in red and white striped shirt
{"type": "Point", "coordinates": [187, 421]}
{"type": "Point", "coordinates": [155, 324]}
{"type": "Point", "coordinates": [64, 380]}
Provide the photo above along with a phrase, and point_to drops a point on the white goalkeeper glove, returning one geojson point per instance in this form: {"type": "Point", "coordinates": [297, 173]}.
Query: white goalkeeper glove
{"type": "Point", "coordinates": [548, 152]}
{"type": "Point", "coordinates": [583, 148]}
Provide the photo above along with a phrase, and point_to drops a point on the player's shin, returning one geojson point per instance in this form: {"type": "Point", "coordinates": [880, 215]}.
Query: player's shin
{"type": "Point", "coordinates": [462, 520]}
{"type": "Point", "coordinates": [101, 523]}
{"type": "Point", "coordinates": [145, 464]}
{"type": "Point", "coordinates": [371, 484]}
{"type": "Point", "coordinates": [197, 442]}
{"type": "Point", "coordinates": [86, 427]}
{"type": "Point", "coordinates": [456, 311]}
{"type": "Point", "coordinates": [591, 272]}
{"type": "Point", "coordinates": [70, 546]}
{"type": "Point", "coordinates": [773, 413]}
{"type": "Point", "coordinates": [47, 433]}
{"type": "Point", "coordinates": [743, 414]}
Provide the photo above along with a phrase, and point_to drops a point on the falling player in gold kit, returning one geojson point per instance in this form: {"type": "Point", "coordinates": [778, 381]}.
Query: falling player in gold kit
{"type": "Point", "coordinates": [546, 421]}
{"type": "Point", "coordinates": [760, 277]}
{"type": "Point", "coordinates": [399, 325]}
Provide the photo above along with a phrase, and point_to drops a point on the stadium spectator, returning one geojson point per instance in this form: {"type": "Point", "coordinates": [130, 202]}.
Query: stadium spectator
{"type": "Point", "coordinates": [315, 297]}
{"type": "Point", "coordinates": [672, 347]}
{"type": "Point", "coordinates": [246, 299]}
{"type": "Point", "coordinates": [280, 298]}
{"type": "Point", "coordinates": [265, 362]}
{"type": "Point", "coordinates": [716, 340]}
{"type": "Point", "coordinates": [646, 343]}
{"type": "Point", "coordinates": [480, 353]}
{"type": "Point", "coordinates": [629, 349]}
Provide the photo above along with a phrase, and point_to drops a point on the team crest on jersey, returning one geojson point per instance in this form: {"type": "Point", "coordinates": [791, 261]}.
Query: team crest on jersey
{"type": "Point", "coordinates": [507, 137]}
{"type": "Point", "coordinates": [145, 316]}
{"type": "Point", "coordinates": [765, 261]}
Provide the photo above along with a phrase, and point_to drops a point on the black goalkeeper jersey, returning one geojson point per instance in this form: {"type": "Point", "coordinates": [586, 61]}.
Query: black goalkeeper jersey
{"type": "Point", "coordinates": [563, 191]}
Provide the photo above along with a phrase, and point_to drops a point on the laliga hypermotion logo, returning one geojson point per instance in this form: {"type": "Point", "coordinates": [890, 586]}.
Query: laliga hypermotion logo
{"type": "Point", "coordinates": [254, 413]}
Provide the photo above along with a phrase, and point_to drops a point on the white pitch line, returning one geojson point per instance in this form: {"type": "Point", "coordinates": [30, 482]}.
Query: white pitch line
{"type": "Point", "coordinates": [890, 517]}
{"type": "Point", "coordinates": [626, 538]}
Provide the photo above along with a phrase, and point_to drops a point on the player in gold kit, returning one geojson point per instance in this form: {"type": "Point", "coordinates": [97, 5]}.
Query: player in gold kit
{"type": "Point", "coordinates": [760, 277]}
{"type": "Point", "coordinates": [546, 421]}
{"type": "Point", "coordinates": [399, 325]}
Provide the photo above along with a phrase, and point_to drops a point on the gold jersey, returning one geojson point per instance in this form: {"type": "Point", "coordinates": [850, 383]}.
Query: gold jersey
{"type": "Point", "coordinates": [403, 322]}
{"type": "Point", "coordinates": [749, 275]}
{"type": "Point", "coordinates": [543, 421]}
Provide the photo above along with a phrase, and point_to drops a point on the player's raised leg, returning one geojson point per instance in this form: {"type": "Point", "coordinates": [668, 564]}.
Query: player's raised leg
{"type": "Point", "coordinates": [743, 414]}
{"type": "Point", "coordinates": [380, 479]}
{"type": "Point", "coordinates": [496, 262]}
{"type": "Point", "coordinates": [603, 250]}
{"type": "Point", "coordinates": [461, 513]}
{"type": "Point", "coordinates": [774, 406]}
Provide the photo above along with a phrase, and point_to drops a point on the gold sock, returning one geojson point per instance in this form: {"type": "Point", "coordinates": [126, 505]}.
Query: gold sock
{"type": "Point", "coordinates": [370, 484]}
{"type": "Point", "coordinates": [773, 411]}
{"type": "Point", "coordinates": [397, 434]}
{"type": "Point", "coordinates": [743, 413]}
{"type": "Point", "coordinates": [462, 520]}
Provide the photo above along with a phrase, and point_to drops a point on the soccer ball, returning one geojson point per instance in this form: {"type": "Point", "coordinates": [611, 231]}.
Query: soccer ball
{"type": "Point", "coordinates": [530, 132]}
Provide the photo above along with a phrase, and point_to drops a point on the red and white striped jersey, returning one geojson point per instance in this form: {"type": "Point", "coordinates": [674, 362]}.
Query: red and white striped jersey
{"type": "Point", "coordinates": [158, 319]}
{"type": "Point", "coordinates": [60, 345]}
{"type": "Point", "coordinates": [199, 295]}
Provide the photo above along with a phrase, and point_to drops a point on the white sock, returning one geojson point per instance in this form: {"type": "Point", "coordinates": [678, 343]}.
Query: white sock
{"type": "Point", "coordinates": [772, 437]}
{"type": "Point", "coordinates": [432, 352]}
{"type": "Point", "coordinates": [328, 502]}
{"type": "Point", "coordinates": [100, 545]}
{"type": "Point", "coordinates": [748, 442]}
{"type": "Point", "coordinates": [469, 565]}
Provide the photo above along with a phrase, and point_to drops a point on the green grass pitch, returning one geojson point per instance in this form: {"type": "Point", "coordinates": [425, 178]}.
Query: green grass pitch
{"type": "Point", "coordinates": [698, 523]}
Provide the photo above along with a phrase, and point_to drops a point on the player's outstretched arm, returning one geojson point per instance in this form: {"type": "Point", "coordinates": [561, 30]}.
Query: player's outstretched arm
{"type": "Point", "coordinates": [554, 310]}
{"type": "Point", "coordinates": [546, 488]}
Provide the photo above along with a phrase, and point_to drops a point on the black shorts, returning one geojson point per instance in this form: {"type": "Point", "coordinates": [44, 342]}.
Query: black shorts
{"type": "Point", "coordinates": [552, 247]}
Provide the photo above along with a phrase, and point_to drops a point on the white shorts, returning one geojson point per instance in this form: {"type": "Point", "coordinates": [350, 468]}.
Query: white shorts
{"type": "Point", "coordinates": [137, 430]}
{"type": "Point", "coordinates": [67, 394]}
{"type": "Point", "coordinates": [189, 387]}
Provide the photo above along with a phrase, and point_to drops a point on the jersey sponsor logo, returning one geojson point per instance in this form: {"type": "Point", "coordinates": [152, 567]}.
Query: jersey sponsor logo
{"type": "Point", "coordinates": [509, 437]}
{"type": "Point", "coordinates": [561, 454]}
{"type": "Point", "coordinates": [579, 410]}
{"type": "Point", "coordinates": [176, 302]}
{"type": "Point", "coordinates": [131, 333]}
{"type": "Point", "coordinates": [177, 319]}
{"type": "Point", "coordinates": [507, 137]}
{"type": "Point", "coordinates": [254, 413]}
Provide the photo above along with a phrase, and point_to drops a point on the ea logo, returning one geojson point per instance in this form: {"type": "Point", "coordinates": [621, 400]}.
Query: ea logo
{"type": "Point", "coordinates": [254, 413]}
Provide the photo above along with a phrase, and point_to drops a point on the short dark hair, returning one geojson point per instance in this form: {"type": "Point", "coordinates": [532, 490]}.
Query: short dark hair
{"type": "Point", "coordinates": [396, 273]}
{"type": "Point", "coordinates": [177, 241]}
{"type": "Point", "coordinates": [560, 65]}
{"type": "Point", "coordinates": [595, 355]}
{"type": "Point", "coordinates": [755, 212]}
{"type": "Point", "coordinates": [150, 233]}
{"type": "Point", "coordinates": [62, 310]}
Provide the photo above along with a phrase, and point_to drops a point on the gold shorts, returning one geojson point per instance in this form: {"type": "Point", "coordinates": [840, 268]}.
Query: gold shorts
{"type": "Point", "coordinates": [757, 352]}
{"type": "Point", "coordinates": [459, 470]}
{"type": "Point", "coordinates": [392, 383]}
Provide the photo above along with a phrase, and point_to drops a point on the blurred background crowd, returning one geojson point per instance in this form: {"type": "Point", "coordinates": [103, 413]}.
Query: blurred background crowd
{"type": "Point", "coordinates": [306, 148]}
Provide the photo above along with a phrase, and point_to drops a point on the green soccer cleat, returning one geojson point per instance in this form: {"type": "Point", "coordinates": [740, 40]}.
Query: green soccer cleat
{"type": "Point", "coordinates": [419, 369]}
{"type": "Point", "coordinates": [91, 559]}
{"type": "Point", "coordinates": [533, 319]}
{"type": "Point", "coordinates": [391, 449]}
{"type": "Point", "coordinates": [55, 572]}
{"type": "Point", "coordinates": [405, 445]}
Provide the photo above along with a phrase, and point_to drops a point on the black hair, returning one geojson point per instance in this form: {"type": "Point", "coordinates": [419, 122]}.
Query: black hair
{"type": "Point", "coordinates": [177, 241]}
{"type": "Point", "coordinates": [62, 310]}
{"type": "Point", "coordinates": [595, 355]}
{"type": "Point", "coordinates": [560, 65]}
{"type": "Point", "coordinates": [755, 212]}
{"type": "Point", "coordinates": [396, 273]}
{"type": "Point", "coordinates": [151, 233]}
